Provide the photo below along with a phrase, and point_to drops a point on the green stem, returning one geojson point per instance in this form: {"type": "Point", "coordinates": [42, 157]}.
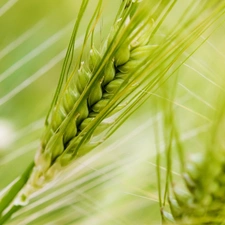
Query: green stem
{"type": "Point", "coordinates": [12, 192]}
{"type": "Point", "coordinates": [4, 218]}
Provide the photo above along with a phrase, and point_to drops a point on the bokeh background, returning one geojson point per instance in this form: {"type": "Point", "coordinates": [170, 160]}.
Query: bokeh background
{"type": "Point", "coordinates": [117, 182]}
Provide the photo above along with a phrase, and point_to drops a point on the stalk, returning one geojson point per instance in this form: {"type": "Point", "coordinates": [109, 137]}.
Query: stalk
{"type": "Point", "coordinates": [7, 199]}
{"type": "Point", "coordinates": [8, 215]}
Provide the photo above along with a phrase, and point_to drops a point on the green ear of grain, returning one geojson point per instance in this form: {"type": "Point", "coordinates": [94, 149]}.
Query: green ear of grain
{"type": "Point", "coordinates": [204, 178]}
{"type": "Point", "coordinates": [87, 93]}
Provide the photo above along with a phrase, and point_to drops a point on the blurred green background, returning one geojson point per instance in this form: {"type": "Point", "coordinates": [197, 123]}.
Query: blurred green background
{"type": "Point", "coordinates": [115, 184]}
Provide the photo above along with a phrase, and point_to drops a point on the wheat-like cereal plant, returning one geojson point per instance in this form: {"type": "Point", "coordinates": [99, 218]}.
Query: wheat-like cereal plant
{"type": "Point", "coordinates": [203, 176]}
{"type": "Point", "coordinates": [89, 97]}
{"type": "Point", "coordinates": [100, 86]}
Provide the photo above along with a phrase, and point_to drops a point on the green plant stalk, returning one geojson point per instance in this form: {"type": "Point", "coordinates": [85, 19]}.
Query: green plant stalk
{"type": "Point", "coordinates": [13, 191]}
{"type": "Point", "coordinates": [4, 218]}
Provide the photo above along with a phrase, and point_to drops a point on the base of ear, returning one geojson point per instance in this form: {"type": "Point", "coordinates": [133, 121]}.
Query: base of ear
{"type": "Point", "coordinates": [36, 182]}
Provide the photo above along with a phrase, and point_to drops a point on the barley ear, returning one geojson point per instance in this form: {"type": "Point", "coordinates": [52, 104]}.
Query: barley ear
{"type": "Point", "coordinates": [78, 114]}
